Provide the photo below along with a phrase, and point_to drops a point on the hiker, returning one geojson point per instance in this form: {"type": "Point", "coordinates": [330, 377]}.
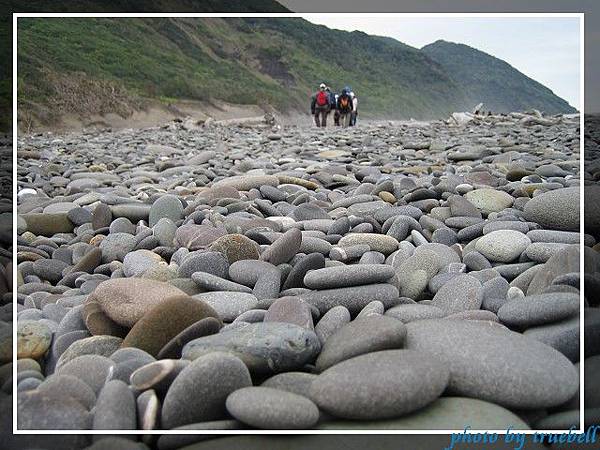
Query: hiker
{"type": "Point", "coordinates": [319, 106]}
{"type": "Point", "coordinates": [354, 112]}
{"type": "Point", "coordinates": [344, 106]}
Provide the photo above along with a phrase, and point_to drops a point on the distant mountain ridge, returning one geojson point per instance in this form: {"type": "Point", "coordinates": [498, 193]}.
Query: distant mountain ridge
{"type": "Point", "coordinates": [111, 65]}
{"type": "Point", "coordinates": [490, 80]}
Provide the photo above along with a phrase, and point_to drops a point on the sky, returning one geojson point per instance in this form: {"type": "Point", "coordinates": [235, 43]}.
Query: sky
{"type": "Point", "coordinates": [546, 49]}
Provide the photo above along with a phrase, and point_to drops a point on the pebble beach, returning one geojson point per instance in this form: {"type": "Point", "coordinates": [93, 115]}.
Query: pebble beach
{"type": "Point", "coordinates": [401, 275]}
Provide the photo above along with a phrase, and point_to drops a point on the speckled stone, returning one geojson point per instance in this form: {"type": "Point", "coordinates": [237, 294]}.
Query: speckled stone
{"type": "Point", "coordinates": [494, 364]}
{"type": "Point", "coordinates": [264, 347]}
{"type": "Point", "coordinates": [227, 374]}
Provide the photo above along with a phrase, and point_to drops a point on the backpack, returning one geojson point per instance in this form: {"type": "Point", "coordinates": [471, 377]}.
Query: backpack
{"type": "Point", "coordinates": [344, 103]}
{"type": "Point", "coordinates": [322, 98]}
{"type": "Point", "coordinates": [333, 100]}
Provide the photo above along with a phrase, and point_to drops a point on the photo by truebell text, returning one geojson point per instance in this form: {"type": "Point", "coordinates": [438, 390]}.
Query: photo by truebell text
{"type": "Point", "coordinates": [518, 440]}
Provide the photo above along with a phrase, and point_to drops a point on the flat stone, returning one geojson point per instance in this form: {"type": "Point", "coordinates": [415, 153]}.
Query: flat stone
{"type": "Point", "coordinates": [226, 374]}
{"type": "Point", "coordinates": [209, 282]}
{"type": "Point", "coordinates": [489, 200]}
{"type": "Point", "coordinates": [168, 207]}
{"type": "Point", "coordinates": [214, 263]}
{"type": "Point", "coordinates": [562, 336]}
{"type": "Point", "coordinates": [126, 300]}
{"type": "Point", "coordinates": [69, 386]}
{"type": "Point", "coordinates": [461, 293]}
{"type": "Point", "coordinates": [157, 375]}
{"type": "Point", "coordinates": [91, 369]}
{"type": "Point", "coordinates": [47, 224]}
{"type": "Point", "coordinates": [411, 312]}
{"type": "Point", "coordinates": [290, 310]}
{"type": "Point", "coordinates": [247, 182]}
{"type": "Point", "coordinates": [331, 321]}
{"type": "Point", "coordinates": [89, 261]}
{"type": "Point", "coordinates": [138, 262]}
{"type": "Point", "coordinates": [33, 339]}
{"type": "Point", "coordinates": [539, 309]}
{"type": "Point", "coordinates": [376, 242]}
{"type": "Point", "coordinates": [284, 248]}
{"type": "Point", "coordinates": [94, 345]}
{"type": "Point", "coordinates": [362, 335]}
{"type": "Point", "coordinates": [236, 247]}
{"type": "Point", "coordinates": [264, 347]}
{"type": "Point", "coordinates": [164, 230]}
{"type": "Point", "coordinates": [352, 275]}
{"type": "Point", "coordinates": [115, 408]}
{"type": "Point", "coordinates": [502, 245]}
{"type": "Point", "coordinates": [380, 385]}
{"type": "Point", "coordinates": [228, 305]}
{"type": "Point", "coordinates": [268, 408]}
{"type": "Point", "coordinates": [491, 363]}
{"type": "Point", "coordinates": [295, 382]}
{"type": "Point", "coordinates": [197, 237]}
{"type": "Point", "coordinates": [295, 278]}
{"type": "Point", "coordinates": [116, 246]}
{"type": "Point", "coordinates": [43, 410]}
{"type": "Point", "coordinates": [98, 323]}
{"type": "Point", "coordinates": [49, 269]}
{"type": "Point", "coordinates": [165, 321]}
{"type": "Point", "coordinates": [354, 298]}
{"type": "Point", "coordinates": [101, 216]}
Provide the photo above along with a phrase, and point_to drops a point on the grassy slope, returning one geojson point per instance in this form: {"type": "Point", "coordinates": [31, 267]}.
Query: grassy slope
{"type": "Point", "coordinates": [103, 6]}
{"type": "Point", "coordinates": [238, 60]}
{"type": "Point", "coordinates": [490, 80]}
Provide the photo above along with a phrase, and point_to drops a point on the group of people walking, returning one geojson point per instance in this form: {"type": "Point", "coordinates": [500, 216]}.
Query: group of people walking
{"type": "Point", "coordinates": [343, 105]}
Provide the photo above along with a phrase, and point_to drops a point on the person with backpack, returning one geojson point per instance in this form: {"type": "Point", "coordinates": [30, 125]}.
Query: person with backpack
{"type": "Point", "coordinates": [332, 101]}
{"type": "Point", "coordinates": [344, 106]}
{"type": "Point", "coordinates": [354, 112]}
{"type": "Point", "coordinates": [319, 106]}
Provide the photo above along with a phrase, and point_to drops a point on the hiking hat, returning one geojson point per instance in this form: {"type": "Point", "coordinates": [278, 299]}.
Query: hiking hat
{"type": "Point", "coordinates": [322, 86]}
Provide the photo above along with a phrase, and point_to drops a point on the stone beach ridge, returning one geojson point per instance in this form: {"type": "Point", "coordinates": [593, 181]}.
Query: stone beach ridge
{"type": "Point", "coordinates": [233, 277]}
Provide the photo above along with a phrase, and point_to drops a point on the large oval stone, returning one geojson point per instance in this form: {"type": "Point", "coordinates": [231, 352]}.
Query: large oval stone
{"type": "Point", "coordinates": [264, 347]}
{"type": "Point", "coordinates": [165, 321]}
{"type": "Point", "coordinates": [494, 364]}
{"type": "Point", "coordinates": [461, 293]}
{"type": "Point", "coordinates": [539, 309]}
{"type": "Point", "coordinates": [199, 392]}
{"type": "Point", "coordinates": [557, 209]}
{"type": "Point", "coordinates": [126, 300]}
{"type": "Point", "coordinates": [380, 385]}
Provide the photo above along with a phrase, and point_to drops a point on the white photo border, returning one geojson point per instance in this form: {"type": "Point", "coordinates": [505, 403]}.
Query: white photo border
{"type": "Point", "coordinates": [579, 15]}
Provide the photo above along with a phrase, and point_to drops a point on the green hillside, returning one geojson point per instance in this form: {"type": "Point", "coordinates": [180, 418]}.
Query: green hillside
{"type": "Point", "coordinates": [492, 81]}
{"type": "Point", "coordinates": [100, 65]}
{"type": "Point", "coordinates": [155, 6]}
{"type": "Point", "coordinates": [247, 61]}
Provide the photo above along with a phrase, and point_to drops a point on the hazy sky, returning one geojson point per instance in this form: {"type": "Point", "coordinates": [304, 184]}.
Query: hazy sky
{"type": "Point", "coordinates": [545, 49]}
